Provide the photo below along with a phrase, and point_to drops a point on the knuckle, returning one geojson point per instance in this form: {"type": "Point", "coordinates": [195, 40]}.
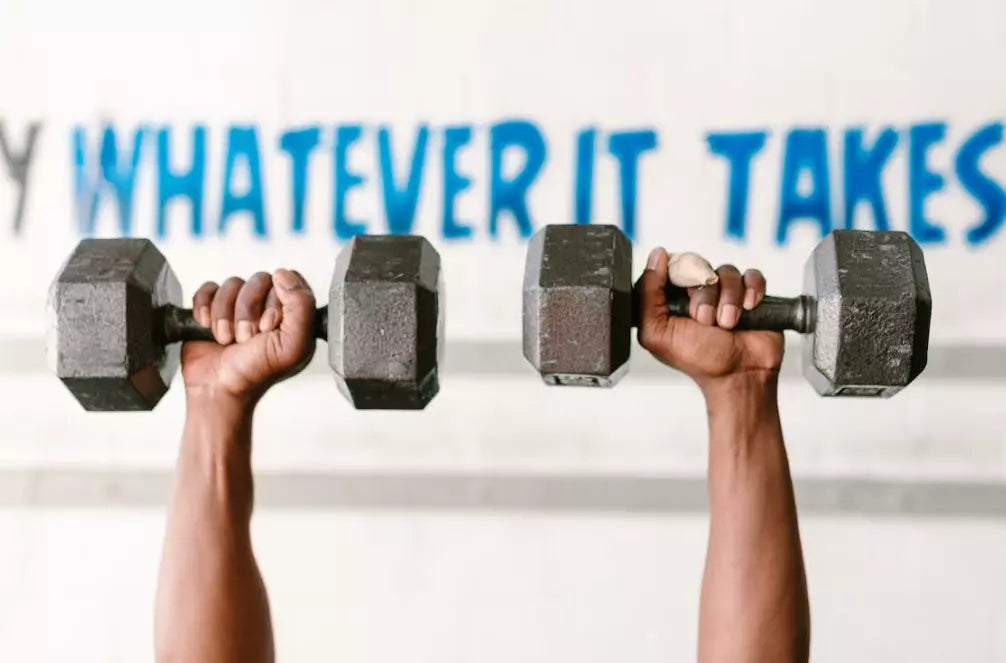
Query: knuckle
{"type": "Point", "coordinates": [728, 271]}
{"type": "Point", "coordinates": [302, 297]}
{"type": "Point", "coordinates": [707, 293]}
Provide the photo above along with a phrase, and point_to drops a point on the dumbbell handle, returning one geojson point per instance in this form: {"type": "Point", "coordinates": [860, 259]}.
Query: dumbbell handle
{"type": "Point", "coordinates": [177, 324]}
{"type": "Point", "coordinates": [772, 314]}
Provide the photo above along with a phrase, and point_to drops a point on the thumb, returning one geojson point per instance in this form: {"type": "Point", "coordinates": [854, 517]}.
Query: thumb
{"type": "Point", "coordinates": [651, 289]}
{"type": "Point", "coordinates": [295, 299]}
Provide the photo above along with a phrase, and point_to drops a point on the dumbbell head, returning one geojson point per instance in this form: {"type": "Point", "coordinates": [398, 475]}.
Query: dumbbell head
{"type": "Point", "coordinates": [386, 317]}
{"type": "Point", "coordinates": [872, 314]}
{"type": "Point", "coordinates": [577, 304]}
{"type": "Point", "coordinates": [100, 337]}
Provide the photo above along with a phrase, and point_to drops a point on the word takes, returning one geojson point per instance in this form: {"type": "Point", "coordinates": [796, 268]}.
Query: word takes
{"type": "Point", "coordinates": [16, 164]}
{"type": "Point", "coordinates": [805, 158]}
{"type": "Point", "coordinates": [120, 156]}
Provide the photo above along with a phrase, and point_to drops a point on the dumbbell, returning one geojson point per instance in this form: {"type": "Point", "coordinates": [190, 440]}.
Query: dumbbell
{"type": "Point", "coordinates": [115, 322]}
{"type": "Point", "coordinates": [864, 315]}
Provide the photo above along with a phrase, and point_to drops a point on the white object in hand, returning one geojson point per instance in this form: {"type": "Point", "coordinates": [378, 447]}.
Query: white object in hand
{"type": "Point", "coordinates": [688, 270]}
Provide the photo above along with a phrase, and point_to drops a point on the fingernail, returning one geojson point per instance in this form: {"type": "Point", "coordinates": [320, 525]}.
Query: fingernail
{"type": "Point", "coordinates": [268, 321]}
{"type": "Point", "coordinates": [750, 295]}
{"type": "Point", "coordinates": [245, 330]}
{"type": "Point", "coordinates": [222, 331]}
{"type": "Point", "coordinates": [285, 279]}
{"type": "Point", "coordinates": [729, 314]}
{"type": "Point", "coordinates": [653, 261]}
{"type": "Point", "coordinates": [707, 314]}
{"type": "Point", "coordinates": [203, 316]}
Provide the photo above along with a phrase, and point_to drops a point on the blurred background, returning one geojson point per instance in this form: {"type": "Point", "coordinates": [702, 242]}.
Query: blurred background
{"type": "Point", "coordinates": [509, 521]}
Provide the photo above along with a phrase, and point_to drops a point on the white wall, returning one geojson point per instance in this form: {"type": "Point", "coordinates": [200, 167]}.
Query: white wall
{"type": "Point", "coordinates": [372, 559]}
{"type": "Point", "coordinates": [412, 586]}
{"type": "Point", "coordinates": [571, 573]}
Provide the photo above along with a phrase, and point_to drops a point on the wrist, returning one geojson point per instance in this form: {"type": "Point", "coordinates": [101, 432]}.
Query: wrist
{"type": "Point", "coordinates": [217, 430]}
{"type": "Point", "coordinates": [211, 396]}
{"type": "Point", "coordinates": [742, 409]}
{"type": "Point", "coordinates": [217, 403]}
{"type": "Point", "coordinates": [752, 388]}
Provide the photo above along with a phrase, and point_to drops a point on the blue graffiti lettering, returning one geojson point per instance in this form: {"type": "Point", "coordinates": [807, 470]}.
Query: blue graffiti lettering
{"type": "Point", "coordinates": [806, 152]}
{"type": "Point", "coordinates": [454, 183]}
{"type": "Point", "coordinates": [242, 146]}
{"type": "Point", "coordinates": [298, 144]}
{"type": "Point", "coordinates": [863, 170]}
{"type": "Point", "coordinates": [400, 204]}
{"type": "Point", "coordinates": [111, 173]}
{"type": "Point", "coordinates": [345, 136]}
{"type": "Point", "coordinates": [985, 190]}
{"type": "Point", "coordinates": [189, 185]}
{"type": "Point", "coordinates": [739, 149]}
{"type": "Point", "coordinates": [511, 194]}
{"type": "Point", "coordinates": [626, 147]}
{"type": "Point", "coordinates": [923, 182]}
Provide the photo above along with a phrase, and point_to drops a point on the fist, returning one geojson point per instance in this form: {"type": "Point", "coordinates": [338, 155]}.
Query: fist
{"type": "Point", "coordinates": [264, 331]}
{"type": "Point", "coordinates": [703, 345]}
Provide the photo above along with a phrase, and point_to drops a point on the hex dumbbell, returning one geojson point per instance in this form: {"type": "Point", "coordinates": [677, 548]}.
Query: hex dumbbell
{"type": "Point", "coordinates": [864, 315]}
{"type": "Point", "coordinates": [115, 322]}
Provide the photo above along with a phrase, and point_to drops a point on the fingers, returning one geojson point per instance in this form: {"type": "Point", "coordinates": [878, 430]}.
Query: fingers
{"type": "Point", "coordinates": [728, 311]}
{"type": "Point", "coordinates": [651, 286]}
{"type": "Point", "coordinates": [237, 310]}
{"type": "Point", "coordinates": [249, 306]}
{"type": "Point", "coordinates": [702, 307]}
{"type": "Point", "coordinates": [715, 298]}
{"type": "Point", "coordinates": [222, 310]}
{"type": "Point", "coordinates": [754, 288]}
{"type": "Point", "coordinates": [721, 304]}
{"type": "Point", "coordinates": [201, 302]}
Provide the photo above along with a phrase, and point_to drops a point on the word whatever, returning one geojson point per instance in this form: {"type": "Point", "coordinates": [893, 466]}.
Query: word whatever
{"type": "Point", "coordinates": [113, 171]}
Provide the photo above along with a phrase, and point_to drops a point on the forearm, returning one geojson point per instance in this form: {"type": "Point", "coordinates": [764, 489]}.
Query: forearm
{"type": "Point", "coordinates": [754, 592]}
{"type": "Point", "coordinates": [211, 601]}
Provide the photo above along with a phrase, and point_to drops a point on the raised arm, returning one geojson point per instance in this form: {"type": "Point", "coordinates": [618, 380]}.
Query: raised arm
{"type": "Point", "coordinates": [211, 601]}
{"type": "Point", "coordinates": [754, 591]}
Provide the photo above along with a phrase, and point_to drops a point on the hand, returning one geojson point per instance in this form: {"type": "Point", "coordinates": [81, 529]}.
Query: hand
{"type": "Point", "coordinates": [702, 345]}
{"type": "Point", "coordinates": [264, 331]}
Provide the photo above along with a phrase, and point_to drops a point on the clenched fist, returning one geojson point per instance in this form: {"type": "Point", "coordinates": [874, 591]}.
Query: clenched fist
{"type": "Point", "coordinates": [703, 345]}
{"type": "Point", "coordinates": [264, 333]}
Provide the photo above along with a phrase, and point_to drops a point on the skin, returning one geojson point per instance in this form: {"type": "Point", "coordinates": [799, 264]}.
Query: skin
{"type": "Point", "coordinates": [211, 600]}
{"type": "Point", "coordinates": [212, 603]}
{"type": "Point", "coordinates": [754, 604]}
